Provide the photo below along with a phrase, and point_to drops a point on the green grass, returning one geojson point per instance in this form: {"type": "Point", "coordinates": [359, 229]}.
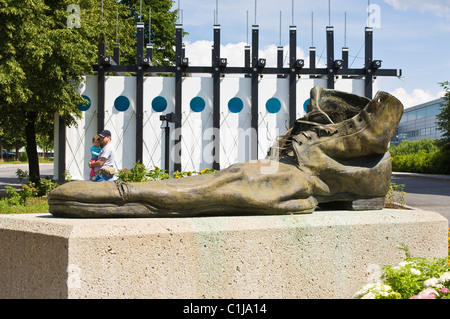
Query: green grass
{"type": "Point", "coordinates": [33, 206]}
{"type": "Point", "coordinates": [41, 160]}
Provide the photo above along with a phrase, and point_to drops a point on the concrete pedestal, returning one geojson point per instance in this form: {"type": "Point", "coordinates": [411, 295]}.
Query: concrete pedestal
{"type": "Point", "coordinates": [326, 254]}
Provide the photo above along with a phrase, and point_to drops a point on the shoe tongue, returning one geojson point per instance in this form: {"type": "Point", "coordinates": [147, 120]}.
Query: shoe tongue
{"type": "Point", "coordinates": [330, 106]}
{"type": "Point", "coordinates": [318, 117]}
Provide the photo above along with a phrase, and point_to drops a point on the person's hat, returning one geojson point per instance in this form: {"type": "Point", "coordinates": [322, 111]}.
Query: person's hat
{"type": "Point", "coordinates": [104, 133]}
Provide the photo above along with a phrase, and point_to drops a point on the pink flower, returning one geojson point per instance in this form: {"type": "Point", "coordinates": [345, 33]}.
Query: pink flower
{"type": "Point", "coordinates": [428, 293]}
{"type": "Point", "coordinates": [423, 297]}
{"type": "Point", "coordinates": [444, 290]}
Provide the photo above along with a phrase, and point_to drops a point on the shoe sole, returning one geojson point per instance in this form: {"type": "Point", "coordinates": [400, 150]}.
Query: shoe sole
{"type": "Point", "coordinates": [375, 203]}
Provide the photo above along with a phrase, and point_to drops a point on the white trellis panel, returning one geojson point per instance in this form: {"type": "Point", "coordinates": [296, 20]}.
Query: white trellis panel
{"type": "Point", "coordinates": [273, 112]}
{"type": "Point", "coordinates": [79, 137]}
{"type": "Point", "coordinates": [122, 124]}
{"type": "Point", "coordinates": [196, 123]}
{"type": "Point", "coordinates": [159, 99]}
{"type": "Point", "coordinates": [235, 126]}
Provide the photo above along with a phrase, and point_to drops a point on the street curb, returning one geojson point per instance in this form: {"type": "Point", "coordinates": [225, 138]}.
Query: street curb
{"type": "Point", "coordinates": [444, 178]}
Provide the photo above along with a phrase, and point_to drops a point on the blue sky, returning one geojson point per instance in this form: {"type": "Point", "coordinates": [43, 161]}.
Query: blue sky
{"type": "Point", "coordinates": [412, 35]}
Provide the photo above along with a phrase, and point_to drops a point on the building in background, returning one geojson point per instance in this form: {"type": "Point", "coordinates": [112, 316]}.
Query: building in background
{"type": "Point", "coordinates": [419, 122]}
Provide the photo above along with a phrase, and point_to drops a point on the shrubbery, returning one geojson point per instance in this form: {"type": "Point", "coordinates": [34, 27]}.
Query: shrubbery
{"type": "Point", "coordinates": [140, 173]}
{"type": "Point", "coordinates": [421, 156]}
{"type": "Point", "coordinates": [414, 278]}
{"type": "Point", "coordinates": [29, 190]}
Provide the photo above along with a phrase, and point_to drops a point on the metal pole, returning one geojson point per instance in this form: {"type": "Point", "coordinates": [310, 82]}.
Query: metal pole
{"type": "Point", "coordinates": [312, 60]}
{"type": "Point", "coordinates": [368, 60]}
{"type": "Point", "coordinates": [101, 87]}
{"type": "Point", "coordinates": [254, 94]}
{"type": "Point", "coordinates": [140, 92]}
{"type": "Point", "coordinates": [216, 97]}
{"type": "Point", "coordinates": [330, 57]}
{"type": "Point", "coordinates": [61, 149]}
{"type": "Point", "coordinates": [178, 95]}
{"type": "Point", "coordinates": [292, 75]}
{"type": "Point", "coordinates": [167, 147]}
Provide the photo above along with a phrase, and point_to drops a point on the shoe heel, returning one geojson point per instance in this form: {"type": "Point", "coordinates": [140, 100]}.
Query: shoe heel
{"type": "Point", "coordinates": [368, 204]}
{"type": "Point", "coordinates": [375, 203]}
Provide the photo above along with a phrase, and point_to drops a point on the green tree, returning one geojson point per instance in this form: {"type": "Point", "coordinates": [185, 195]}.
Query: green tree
{"type": "Point", "coordinates": [412, 147]}
{"type": "Point", "coordinates": [444, 117]}
{"type": "Point", "coordinates": [41, 61]}
{"type": "Point", "coordinates": [162, 32]}
{"type": "Point", "coordinates": [46, 46]}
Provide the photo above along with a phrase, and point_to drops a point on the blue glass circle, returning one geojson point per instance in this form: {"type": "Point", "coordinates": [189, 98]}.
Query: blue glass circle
{"type": "Point", "coordinates": [197, 104]}
{"type": "Point", "coordinates": [159, 104]}
{"type": "Point", "coordinates": [273, 105]}
{"type": "Point", "coordinates": [305, 105]}
{"type": "Point", "coordinates": [85, 106]}
{"type": "Point", "coordinates": [122, 103]}
{"type": "Point", "coordinates": [235, 105]}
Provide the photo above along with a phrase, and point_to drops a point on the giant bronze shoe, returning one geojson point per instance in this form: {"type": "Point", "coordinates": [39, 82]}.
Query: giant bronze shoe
{"type": "Point", "coordinates": [335, 156]}
{"type": "Point", "coordinates": [343, 140]}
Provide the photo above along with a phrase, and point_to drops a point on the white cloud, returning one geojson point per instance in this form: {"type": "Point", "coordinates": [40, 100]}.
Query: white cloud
{"type": "Point", "coordinates": [416, 97]}
{"type": "Point", "coordinates": [200, 54]}
{"type": "Point", "coordinates": [439, 7]}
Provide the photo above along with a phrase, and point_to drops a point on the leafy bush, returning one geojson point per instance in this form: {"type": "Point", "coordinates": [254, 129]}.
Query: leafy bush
{"type": "Point", "coordinates": [46, 186]}
{"type": "Point", "coordinates": [411, 147]}
{"type": "Point", "coordinates": [21, 197]}
{"type": "Point", "coordinates": [422, 162]}
{"type": "Point", "coordinates": [395, 195]}
{"type": "Point", "coordinates": [421, 156]}
{"type": "Point", "coordinates": [21, 174]}
{"type": "Point", "coordinates": [139, 173]}
{"type": "Point", "coordinates": [414, 278]}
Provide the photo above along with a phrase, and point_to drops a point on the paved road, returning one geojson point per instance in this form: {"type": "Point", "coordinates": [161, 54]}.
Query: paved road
{"type": "Point", "coordinates": [427, 192]}
{"type": "Point", "coordinates": [8, 174]}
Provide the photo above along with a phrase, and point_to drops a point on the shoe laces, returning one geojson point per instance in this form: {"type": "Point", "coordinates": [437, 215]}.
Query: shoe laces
{"type": "Point", "coordinates": [305, 128]}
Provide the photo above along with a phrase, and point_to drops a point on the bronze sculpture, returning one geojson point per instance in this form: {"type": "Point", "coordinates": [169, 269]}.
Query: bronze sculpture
{"type": "Point", "coordinates": [335, 156]}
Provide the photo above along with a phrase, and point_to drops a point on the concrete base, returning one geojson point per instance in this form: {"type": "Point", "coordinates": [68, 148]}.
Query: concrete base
{"type": "Point", "coordinates": [326, 254]}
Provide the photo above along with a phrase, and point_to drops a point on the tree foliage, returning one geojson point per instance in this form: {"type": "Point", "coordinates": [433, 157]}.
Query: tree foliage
{"type": "Point", "coordinates": [420, 156]}
{"type": "Point", "coordinates": [412, 147]}
{"type": "Point", "coordinates": [43, 57]}
{"type": "Point", "coordinates": [162, 31]}
{"type": "Point", "coordinates": [444, 117]}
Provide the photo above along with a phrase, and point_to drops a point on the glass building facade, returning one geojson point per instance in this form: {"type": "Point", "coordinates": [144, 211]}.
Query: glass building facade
{"type": "Point", "coordinates": [419, 122]}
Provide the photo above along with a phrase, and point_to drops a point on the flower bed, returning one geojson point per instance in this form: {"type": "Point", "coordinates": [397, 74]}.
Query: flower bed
{"type": "Point", "coordinates": [140, 173]}
{"type": "Point", "coordinates": [414, 278]}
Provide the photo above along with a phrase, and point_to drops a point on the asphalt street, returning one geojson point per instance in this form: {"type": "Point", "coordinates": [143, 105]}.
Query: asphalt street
{"type": "Point", "coordinates": [8, 174]}
{"type": "Point", "coordinates": [427, 192]}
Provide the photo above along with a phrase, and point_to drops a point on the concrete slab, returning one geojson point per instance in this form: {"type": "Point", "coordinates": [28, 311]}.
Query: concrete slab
{"type": "Point", "coordinates": [326, 254]}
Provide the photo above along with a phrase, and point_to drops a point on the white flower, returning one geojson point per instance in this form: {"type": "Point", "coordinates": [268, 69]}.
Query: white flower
{"type": "Point", "coordinates": [404, 263]}
{"type": "Point", "coordinates": [368, 295]}
{"type": "Point", "coordinates": [432, 282]}
{"type": "Point", "coordinates": [444, 277]}
{"type": "Point", "coordinates": [415, 271]}
{"type": "Point", "coordinates": [373, 291]}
